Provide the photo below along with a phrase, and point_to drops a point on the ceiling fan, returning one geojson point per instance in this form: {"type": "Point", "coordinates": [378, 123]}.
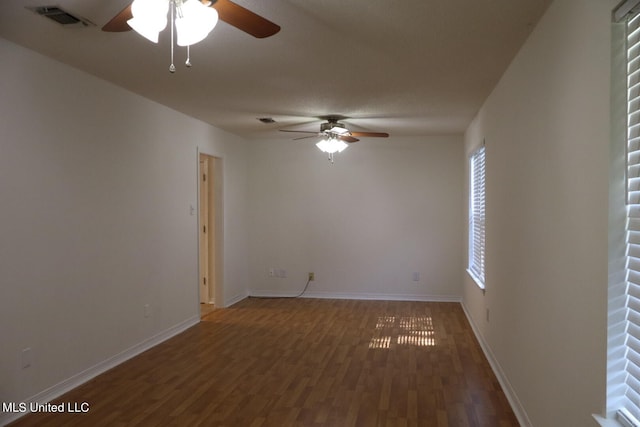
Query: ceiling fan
{"type": "Point", "coordinates": [333, 129]}
{"type": "Point", "coordinates": [229, 12]}
{"type": "Point", "coordinates": [335, 135]}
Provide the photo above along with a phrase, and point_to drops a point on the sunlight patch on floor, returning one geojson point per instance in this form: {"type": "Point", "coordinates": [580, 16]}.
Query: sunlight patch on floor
{"type": "Point", "coordinates": [405, 331]}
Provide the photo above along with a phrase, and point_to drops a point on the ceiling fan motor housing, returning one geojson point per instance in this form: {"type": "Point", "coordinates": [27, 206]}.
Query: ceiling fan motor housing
{"type": "Point", "coordinates": [330, 125]}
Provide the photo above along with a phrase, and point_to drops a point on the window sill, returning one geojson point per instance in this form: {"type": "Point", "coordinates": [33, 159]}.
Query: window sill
{"type": "Point", "coordinates": [610, 422]}
{"type": "Point", "coordinates": [606, 422]}
{"type": "Point", "coordinates": [476, 280]}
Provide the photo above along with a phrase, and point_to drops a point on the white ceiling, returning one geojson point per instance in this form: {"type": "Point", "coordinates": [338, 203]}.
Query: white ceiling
{"type": "Point", "coordinates": [407, 67]}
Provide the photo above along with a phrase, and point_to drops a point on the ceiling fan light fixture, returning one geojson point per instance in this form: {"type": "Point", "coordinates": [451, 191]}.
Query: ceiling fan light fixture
{"type": "Point", "coordinates": [194, 22]}
{"type": "Point", "coordinates": [331, 145]}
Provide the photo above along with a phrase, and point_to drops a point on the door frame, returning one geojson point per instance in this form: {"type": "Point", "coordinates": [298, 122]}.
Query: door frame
{"type": "Point", "coordinates": [206, 267]}
{"type": "Point", "coordinates": [217, 201]}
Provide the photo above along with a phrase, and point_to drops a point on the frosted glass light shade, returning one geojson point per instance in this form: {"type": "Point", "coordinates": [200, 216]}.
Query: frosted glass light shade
{"type": "Point", "coordinates": [332, 145]}
{"type": "Point", "coordinates": [194, 22]}
{"type": "Point", "coordinates": [149, 18]}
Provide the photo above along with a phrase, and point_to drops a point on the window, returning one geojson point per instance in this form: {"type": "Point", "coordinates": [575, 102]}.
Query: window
{"type": "Point", "coordinates": [628, 404]}
{"type": "Point", "coordinates": [477, 217]}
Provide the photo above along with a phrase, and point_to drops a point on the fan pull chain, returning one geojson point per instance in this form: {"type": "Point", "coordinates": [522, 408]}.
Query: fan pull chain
{"type": "Point", "coordinates": [188, 63]}
{"type": "Point", "coordinates": [172, 68]}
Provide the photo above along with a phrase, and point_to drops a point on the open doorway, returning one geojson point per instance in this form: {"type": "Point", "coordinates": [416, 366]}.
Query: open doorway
{"type": "Point", "coordinates": [209, 218]}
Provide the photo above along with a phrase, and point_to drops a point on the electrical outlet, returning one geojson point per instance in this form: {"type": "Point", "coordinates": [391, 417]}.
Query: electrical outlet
{"type": "Point", "coordinates": [416, 276]}
{"type": "Point", "coordinates": [147, 310]}
{"type": "Point", "coordinates": [312, 276]}
{"type": "Point", "coordinates": [278, 272]}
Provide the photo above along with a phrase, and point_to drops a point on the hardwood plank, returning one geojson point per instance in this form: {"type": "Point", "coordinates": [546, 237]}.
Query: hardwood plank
{"type": "Point", "coordinates": [302, 362]}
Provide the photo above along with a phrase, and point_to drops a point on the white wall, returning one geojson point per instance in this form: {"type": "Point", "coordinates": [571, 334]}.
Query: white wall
{"type": "Point", "coordinates": [96, 186]}
{"type": "Point", "coordinates": [384, 210]}
{"type": "Point", "coordinates": [546, 127]}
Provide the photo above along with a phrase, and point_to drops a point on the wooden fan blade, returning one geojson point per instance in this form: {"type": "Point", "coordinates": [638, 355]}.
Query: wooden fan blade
{"type": "Point", "coordinates": [298, 131]}
{"type": "Point", "coordinates": [118, 23]}
{"type": "Point", "coordinates": [347, 138]}
{"type": "Point", "coordinates": [305, 137]}
{"type": "Point", "coordinates": [370, 134]}
{"type": "Point", "coordinates": [245, 20]}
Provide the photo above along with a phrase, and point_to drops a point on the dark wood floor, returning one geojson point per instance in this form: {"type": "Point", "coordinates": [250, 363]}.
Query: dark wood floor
{"type": "Point", "coordinates": [302, 362]}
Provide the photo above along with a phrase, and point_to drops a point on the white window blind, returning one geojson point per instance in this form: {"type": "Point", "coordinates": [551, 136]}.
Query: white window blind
{"type": "Point", "coordinates": [631, 401]}
{"type": "Point", "coordinates": [477, 216]}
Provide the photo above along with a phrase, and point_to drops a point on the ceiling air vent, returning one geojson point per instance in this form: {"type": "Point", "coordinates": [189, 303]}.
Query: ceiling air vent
{"type": "Point", "coordinates": [62, 17]}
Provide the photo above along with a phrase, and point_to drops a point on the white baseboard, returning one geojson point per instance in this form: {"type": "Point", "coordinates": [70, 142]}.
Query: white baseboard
{"type": "Point", "coordinates": [234, 300]}
{"type": "Point", "coordinates": [509, 392]}
{"type": "Point", "coordinates": [70, 383]}
{"type": "Point", "coordinates": [361, 296]}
